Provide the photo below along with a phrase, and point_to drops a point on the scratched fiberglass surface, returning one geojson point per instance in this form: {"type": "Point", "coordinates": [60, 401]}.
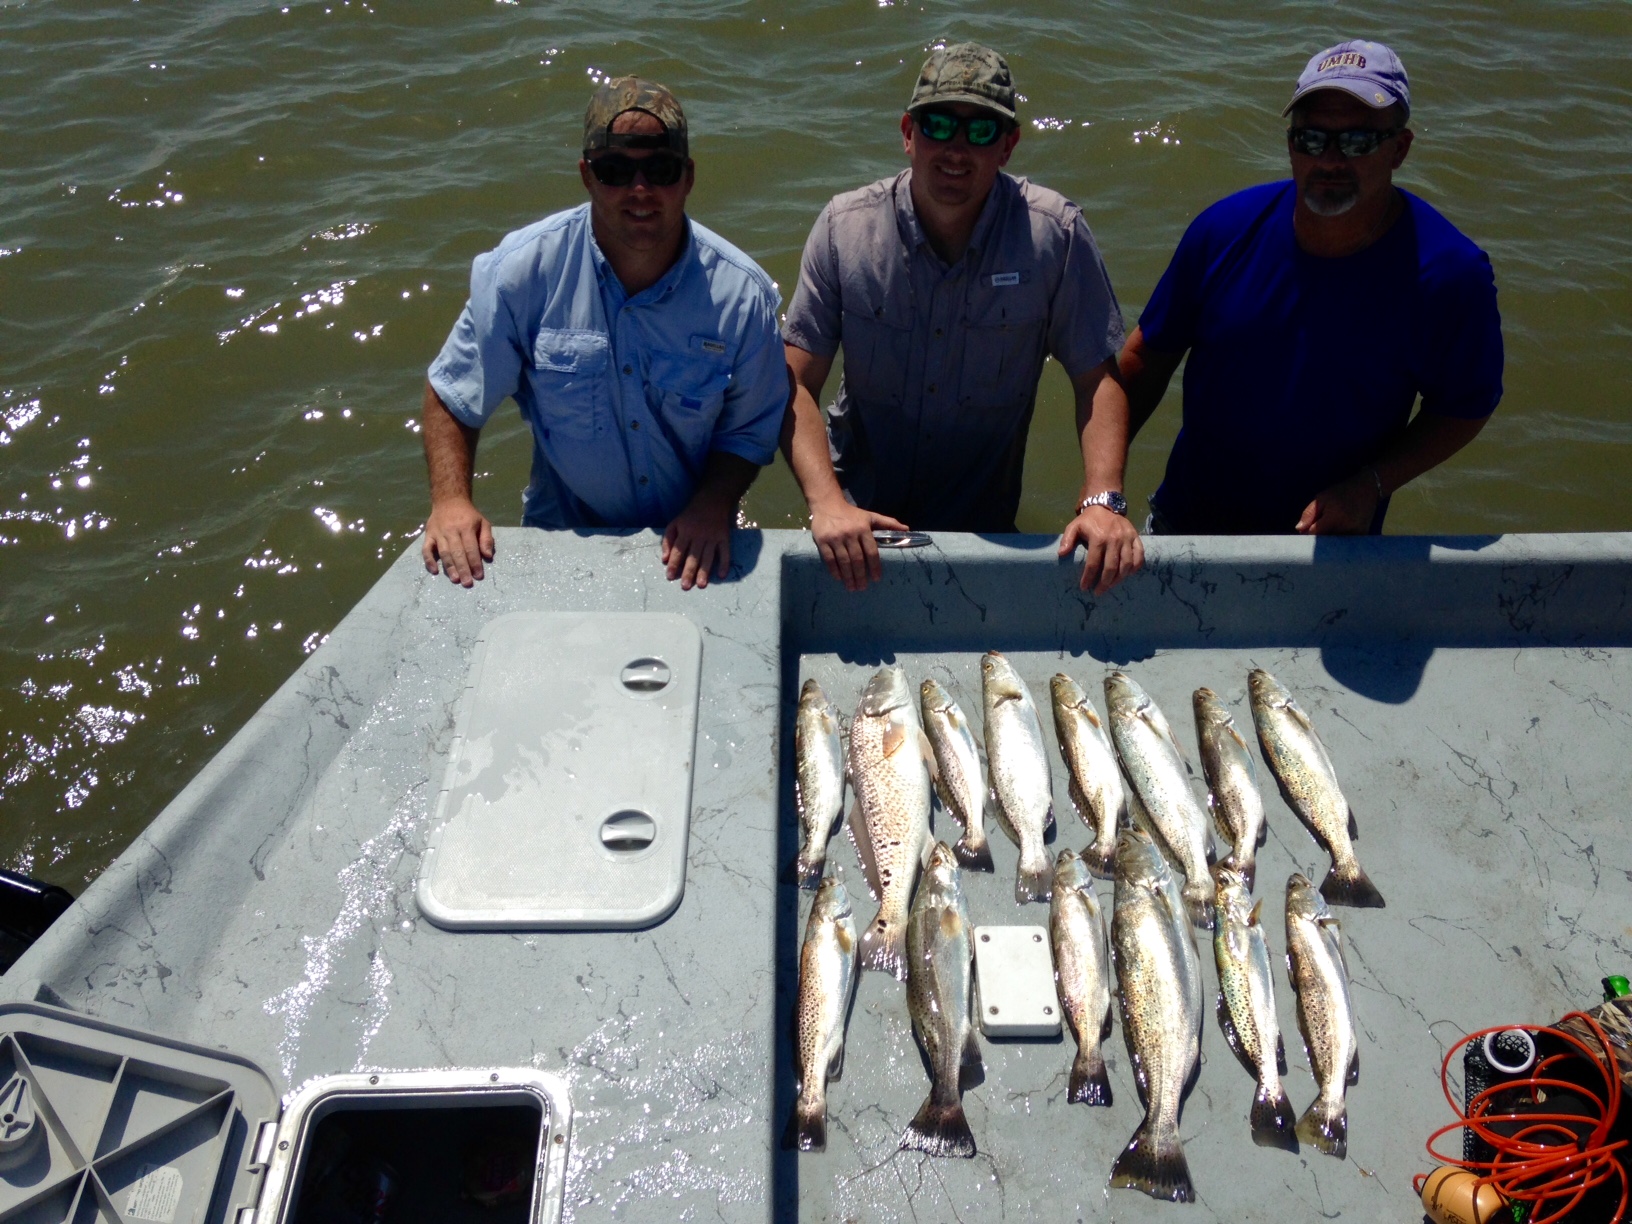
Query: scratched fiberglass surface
{"type": "Point", "coordinates": [1484, 785]}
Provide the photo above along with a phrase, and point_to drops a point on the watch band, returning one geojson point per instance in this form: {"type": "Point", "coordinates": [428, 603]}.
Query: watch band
{"type": "Point", "coordinates": [1111, 499]}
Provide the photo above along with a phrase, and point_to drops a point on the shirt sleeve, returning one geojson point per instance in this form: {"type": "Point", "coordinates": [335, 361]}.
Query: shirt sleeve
{"type": "Point", "coordinates": [480, 363]}
{"type": "Point", "coordinates": [813, 321]}
{"type": "Point", "coordinates": [1170, 317]}
{"type": "Point", "coordinates": [750, 424]}
{"type": "Point", "coordinates": [1464, 354]}
{"type": "Point", "coordinates": [1085, 322]}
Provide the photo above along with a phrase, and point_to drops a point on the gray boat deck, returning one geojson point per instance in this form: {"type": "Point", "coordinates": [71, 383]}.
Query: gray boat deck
{"type": "Point", "coordinates": [1476, 695]}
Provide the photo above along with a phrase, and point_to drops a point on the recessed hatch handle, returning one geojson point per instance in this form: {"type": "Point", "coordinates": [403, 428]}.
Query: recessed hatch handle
{"type": "Point", "coordinates": [18, 1121]}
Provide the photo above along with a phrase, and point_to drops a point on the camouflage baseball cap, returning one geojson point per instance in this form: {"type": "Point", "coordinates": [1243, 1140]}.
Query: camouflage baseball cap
{"type": "Point", "coordinates": [613, 97]}
{"type": "Point", "coordinates": [965, 72]}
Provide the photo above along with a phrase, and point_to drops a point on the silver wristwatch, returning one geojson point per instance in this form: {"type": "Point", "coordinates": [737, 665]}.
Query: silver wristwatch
{"type": "Point", "coordinates": [1110, 499]}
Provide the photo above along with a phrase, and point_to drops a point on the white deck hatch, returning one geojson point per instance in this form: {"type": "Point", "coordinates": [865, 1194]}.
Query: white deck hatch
{"type": "Point", "coordinates": [567, 797]}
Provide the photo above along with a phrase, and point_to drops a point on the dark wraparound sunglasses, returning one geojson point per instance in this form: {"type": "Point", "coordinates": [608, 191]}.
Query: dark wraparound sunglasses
{"type": "Point", "coordinates": [1357, 142]}
{"type": "Point", "coordinates": [942, 126]}
{"type": "Point", "coordinates": [619, 169]}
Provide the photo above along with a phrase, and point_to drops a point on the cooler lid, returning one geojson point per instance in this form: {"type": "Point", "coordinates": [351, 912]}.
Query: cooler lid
{"type": "Point", "coordinates": [567, 797]}
{"type": "Point", "coordinates": [105, 1123]}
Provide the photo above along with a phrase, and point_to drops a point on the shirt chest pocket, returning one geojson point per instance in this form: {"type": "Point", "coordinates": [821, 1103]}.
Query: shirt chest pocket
{"type": "Point", "coordinates": [568, 380]}
{"type": "Point", "coordinates": [686, 392]}
{"type": "Point", "coordinates": [1005, 335]}
{"type": "Point", "coordinates": [877, 337]}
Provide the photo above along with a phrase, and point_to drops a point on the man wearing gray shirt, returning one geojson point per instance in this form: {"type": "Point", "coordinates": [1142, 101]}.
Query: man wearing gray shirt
{"type": "Point", "coordinates": [946, 286]}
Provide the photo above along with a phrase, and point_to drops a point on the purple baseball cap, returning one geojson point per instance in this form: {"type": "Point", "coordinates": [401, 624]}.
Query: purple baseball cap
{"type": "Point", "coordinates": [1368, 70]}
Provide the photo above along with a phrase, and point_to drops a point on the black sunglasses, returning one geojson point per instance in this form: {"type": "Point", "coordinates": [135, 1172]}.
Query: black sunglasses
{"type": "Point", "coordinates": [942, 126]}
{"type": "Point", "coordinates": [619, 169]}
{"type": "Point", "coordinates": [1357, 142]}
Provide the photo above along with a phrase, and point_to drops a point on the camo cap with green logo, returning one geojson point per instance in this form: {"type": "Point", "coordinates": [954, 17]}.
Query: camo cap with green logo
{"type": "Point", "coordinates": [614, 97]}
{"type": "Point", "coordinates": [965, 72]}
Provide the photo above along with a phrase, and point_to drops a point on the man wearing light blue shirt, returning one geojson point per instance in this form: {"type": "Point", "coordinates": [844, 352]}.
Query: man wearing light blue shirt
{"type": "Point", "coordinates": [641, 348]}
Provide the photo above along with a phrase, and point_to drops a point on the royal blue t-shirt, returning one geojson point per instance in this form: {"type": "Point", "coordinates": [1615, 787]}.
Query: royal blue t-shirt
{"type": "Point", "coordinates": [1301, 368]}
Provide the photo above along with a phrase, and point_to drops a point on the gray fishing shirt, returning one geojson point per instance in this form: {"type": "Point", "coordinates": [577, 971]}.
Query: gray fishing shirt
{"type": "Point", "coordinates": [941, 363]}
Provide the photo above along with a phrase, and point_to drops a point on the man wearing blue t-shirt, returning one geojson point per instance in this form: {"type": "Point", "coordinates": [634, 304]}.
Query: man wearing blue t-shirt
{"type": "Point", "coordinates": [1315, 312]}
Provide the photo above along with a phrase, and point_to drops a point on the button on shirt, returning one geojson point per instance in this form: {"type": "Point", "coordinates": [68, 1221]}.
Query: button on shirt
{"type": "Point", "coordinates": [941, 363]}
{"type": "Point", "coordinates": [626, 396]}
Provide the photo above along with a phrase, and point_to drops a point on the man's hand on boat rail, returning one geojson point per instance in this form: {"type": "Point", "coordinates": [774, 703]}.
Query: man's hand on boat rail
{"type": "Point", "coordinates": [459, 537]}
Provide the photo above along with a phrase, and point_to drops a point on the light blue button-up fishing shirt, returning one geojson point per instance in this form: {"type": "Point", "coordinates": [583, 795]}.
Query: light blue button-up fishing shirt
{"type": "Point", "coordinates": [626, 396]}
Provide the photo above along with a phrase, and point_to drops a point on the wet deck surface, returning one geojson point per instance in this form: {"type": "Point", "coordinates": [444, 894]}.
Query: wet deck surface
{"type": "Point", "coordinates": [1476, 699]}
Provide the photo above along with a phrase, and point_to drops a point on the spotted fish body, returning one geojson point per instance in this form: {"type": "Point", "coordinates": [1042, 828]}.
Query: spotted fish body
{"type": "Point", "coordinates": [940, 981]}
{"type": "Point", "coordinates": [818, 783]}
{"type": "Point", "coordinates": [1308, 782]}
{"type": "Point", "coordinates": [1161, 783]}
{"type": "Point", "coordinates": [1021, 779]}
{"type": "Point", "coordinates": [1232, 783]}
{"type": "Point", "coordinates": [1082, 976]}
{"type": "Point", "coordinates": [890, 821]}
{"type": "Point", "coordinates": [958, 776]}
{"type": "Point", "coordinates": [1159, 986]}
{"type": "Point", "coordinates": [1314, 956]}
{"type": "Point", "coordinates": [1097, 790]}
{"type": "Point", "coordinates": [1246, 1009]}
{"type": "Point", "coordinates": [827, 982]}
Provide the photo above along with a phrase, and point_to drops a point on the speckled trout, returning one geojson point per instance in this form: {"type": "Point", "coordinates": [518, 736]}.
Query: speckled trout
{"type": "Point", "coordinates": [1246, 1008]}
{"type": "Point", "coordinates": [959, 780]}
{"type": "Point", "coordinates": [1021, 780]}
{"type": "Point", "coordinates": [1096, 787]}
{"type": "Point", "coordinates": [827, 983]}
{"type": "Point", "coordinates": [940, 980]}
{"type": "Point", "coordinates": [1082, 975]}
{"type": "Point", "coordinates": [1314, 961]}
{"type": "Point", "coordinates": [1303, 770]}
{"type": "Point", "coordinates": [1156, 767]}
{"type": "Point", "coordinates": [1232, 783]}
{"type": "Point", "coordinates": [818, 780]}
{"type": "Point", "coordinates": [1159, 984]}
{"type": "Point", "coordinates": [889, 822]}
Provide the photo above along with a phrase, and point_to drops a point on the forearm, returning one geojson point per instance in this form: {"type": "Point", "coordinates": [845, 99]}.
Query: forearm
{"type": "Point", "coordinates": [1102, 432]}
{"type": "Point", "coordinates": [1428, 441]}
{"type": "Point", "coordinates": [450, 450]}
{"type": "Point", "coordinates": [726, 477]}
{"type": "Point", "coordinates": [1145, 375]}
{"type": "Point", "coordinates": [805, 446]}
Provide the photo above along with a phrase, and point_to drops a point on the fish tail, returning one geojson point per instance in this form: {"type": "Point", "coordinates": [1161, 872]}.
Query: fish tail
{"type": "Point", "coordinates": [1325, 1126]}
{"type": "Point", "coordinates": [884, 947]}
{"type": "Point", "coordinates": [806, 874]}
{"type": "Point", "coordinates": [1348, 884]}
{"type": "Point", "coordinates": [1273, 1120]}
{"type": "Point", "coordinates": [1154, 1162]}
{"type": "Point", "coordinates": [810, 1124]}
{"type": "Point", "coordinates": [1090, 1083]}
{"type": "Point", "coordinates": [940, 1130]}
{"type": "Point", "coordinates": [1035, 881]}
{"type": "Point", "coordinates": [1198, 899]}
{"type": "Point", "coordinates": [976, 856]}
{"type": "Point", "coordinates": [1101, 863]}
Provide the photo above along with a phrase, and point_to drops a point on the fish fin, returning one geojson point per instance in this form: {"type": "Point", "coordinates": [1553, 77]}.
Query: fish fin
{"type": "Point", "coordinates": [926, 849]}
{"type": "Point", "coordinates": [1105, 1025]}
{"type": "Point", "coordinates": [1232, 1036]}
{"type": "Point", "coordinates": [807, 1129]}
{"type": "Point", "coordinates": [994, 806]}
{"type": "Point", "coordinates": [1274, 1123]}
{"type": "Point", "coordinates": [1079, 800]}
{"type": "Point", "coordinates": [1354, 826]}
{"type": "Point", "coordinates": [1048, 824]}
{"type": "Point", "coordinates": [1249, 875]}
{"type": "Point", "coordinates": [1155, 1165]}
{"type": "Point", "coordinates": [805, 874]}
{"type": "Point", "coordinates": [971, 1050]}
{"type": "Point", "coordinates": [1198, 899]}
{"type": "Point", "coordinates": [856, 827]}
{"type": "Point", "coordinates": [1101, 865]}
{"type": "Point", "coordinates": [884, 948]}
{"type": "Point", "coordinates": [1326, 1129]}
{"type": "Point", "coordinates": [974, 858]}
{"type": "Point", "coordinates": [1034, 882]}
{"type": "Point", "coordinates": [1090, 1082]}
{"type": "Point", "coordinates": [940, 1130]}
{"type": "Point", "coordinates": [835, 1066]}
{"type": "Point", "coordinates": [1280, 1054]}
{"type": "Point", "coordinates": [1356, 890]}
{"type": "Point", "coordinates": [927, 751]}
{"type": "Point", "coordinates": [1353, 1076]}
{"type": "Point", "coordinates": [895, 734]}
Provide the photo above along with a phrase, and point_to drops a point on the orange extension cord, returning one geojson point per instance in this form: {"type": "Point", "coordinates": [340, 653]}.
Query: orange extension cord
{"type": "Point", "coordinates": [1544, 1163]}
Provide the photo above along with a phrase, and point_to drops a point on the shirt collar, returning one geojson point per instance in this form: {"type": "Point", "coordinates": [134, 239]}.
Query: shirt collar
{"type": "Point", "coordinates": [912, 231]}
{"type": "Point", "coordinates": [665, 284]}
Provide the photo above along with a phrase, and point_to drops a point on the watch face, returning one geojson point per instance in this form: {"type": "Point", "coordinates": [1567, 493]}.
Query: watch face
{"type": "Point", "coordinates": [1116, 503]}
